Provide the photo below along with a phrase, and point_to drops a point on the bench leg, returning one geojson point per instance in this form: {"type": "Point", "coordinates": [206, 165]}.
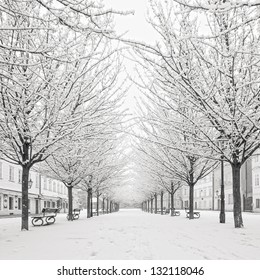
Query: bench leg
{"type": "Point", "coordinates": [38, 221]}
{"type": "Point", "coordinates": [50, 220]}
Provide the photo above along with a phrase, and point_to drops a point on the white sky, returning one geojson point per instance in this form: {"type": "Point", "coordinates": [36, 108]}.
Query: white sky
{"type": "Point", "coordinates": [136, 28]}
{"type": "Point", "coordinates": [136, 24]}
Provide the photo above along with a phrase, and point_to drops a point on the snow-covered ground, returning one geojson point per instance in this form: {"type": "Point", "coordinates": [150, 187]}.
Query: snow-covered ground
{"type": "Point", "coordinates": [133, 235]}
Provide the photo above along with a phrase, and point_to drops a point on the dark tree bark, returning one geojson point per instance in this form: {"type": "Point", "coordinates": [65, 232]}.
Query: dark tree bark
{"type": "Point", "coordinates": [70, 199]}
{"type": "Point", "coordinates": [97, 203]}
{"type": "Point", "coordinates": [161, 202]}
{"type": "Point", "coordinates": [89, 203]}
{"type": "Point", "coordinates": [25, 200]}
{"type": "Point", "coordinates": [107, 206]}
{"type": "Point", "coordinates": [237, 211]}
{"type": "Point", "coordinates": [148, 206]}
{"type": "Point", "coordinates": [151, 205]}
{"type": "Point", "coordinates": [191, 196]}
{"type": "Point", "coordinates": [103, 205]}
{"type": "Point", "coordinates": [155, 203]}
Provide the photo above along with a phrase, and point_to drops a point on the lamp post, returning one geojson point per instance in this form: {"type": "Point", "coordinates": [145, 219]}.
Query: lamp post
{"type": "Point", "coordinates": [172, 199]}
{"type": "Point", "coordinates": [89, 198]}
{"type": "Point", "coordinates": [222, 216]}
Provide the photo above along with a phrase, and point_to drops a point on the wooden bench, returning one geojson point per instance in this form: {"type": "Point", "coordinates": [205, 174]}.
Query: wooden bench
{"type": "Point", "coordinates": [75, 214]}
{"type": "Point", "coordinates": [47, 217]}
{"type": "Point", "coordinates": [176, 213]}
{"type": "Point", "coordinates": [196, 214]}
{"type": "Point", "coordinates": [166, 211]}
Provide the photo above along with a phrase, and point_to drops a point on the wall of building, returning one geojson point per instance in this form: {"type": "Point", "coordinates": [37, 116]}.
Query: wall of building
{"type": "Point", "coordinates": [44, 192]}
{"type": "Point", "coordinates": [256, 182]}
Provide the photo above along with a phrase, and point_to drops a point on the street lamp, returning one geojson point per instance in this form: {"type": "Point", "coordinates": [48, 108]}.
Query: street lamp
{"type": "Point", "coordinates": [30, 182]}
{"type": "Point", "coordinates": [222, 217]}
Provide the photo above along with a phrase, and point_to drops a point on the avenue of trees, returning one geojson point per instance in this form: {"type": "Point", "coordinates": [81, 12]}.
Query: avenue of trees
{"type": "Point", "coordinates": [63, 90]}
{"type": "Point", "coordinates": [58, 76]}
{"type": "Point", "coordinates": [203, 75]}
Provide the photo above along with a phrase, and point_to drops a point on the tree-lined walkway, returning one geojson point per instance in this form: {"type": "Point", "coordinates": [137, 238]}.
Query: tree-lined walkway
{"type": "Point", "coordinates": [132, 234]}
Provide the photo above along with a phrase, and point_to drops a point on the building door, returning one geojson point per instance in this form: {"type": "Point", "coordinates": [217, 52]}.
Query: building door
{"type": "Point", "coordinates": [248, 203]}
{"type": "Point", "coordinates": [37, 206]}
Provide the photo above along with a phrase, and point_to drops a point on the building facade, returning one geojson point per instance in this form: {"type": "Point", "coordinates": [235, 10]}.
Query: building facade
{"type": "Point", "coordinates": [43, 192]}
{"type": "Point", "coordinates": [207, 190]}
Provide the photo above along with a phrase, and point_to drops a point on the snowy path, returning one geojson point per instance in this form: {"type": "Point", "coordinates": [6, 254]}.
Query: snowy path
{"type": "Point", "coordinates": [133, 235]}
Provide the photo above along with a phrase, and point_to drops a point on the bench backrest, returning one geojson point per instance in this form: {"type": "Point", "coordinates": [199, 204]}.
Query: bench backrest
{"type": "Point", "coordinates": [77, 210]}
{"type": "Point", "coordinates": [50, 210]}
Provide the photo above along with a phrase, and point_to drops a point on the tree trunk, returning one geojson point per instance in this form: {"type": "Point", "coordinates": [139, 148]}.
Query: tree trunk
{"type": "Point", "coordinates": [162, 203]}
{"type": "Point", "coordinates": [103, 205]}
{"type": "Point", "coordinates": [151, 205]}
{"type": "Point", "coordinates": [155, 203]}
{"type": "Point", "coordinates": [25, 199]}
{"type": "Point", "coordinates": [89, 203]}
{"type": "Point", "coordinates": [148, 206]}
{"type": "Point", "coordinates": [191, 196]}
{"type": "Point", "coordinates": [97, 203]}
{"type": "Point", "coordinates": [70, 198]}
{"type": "Point", "coordinates": [110, 207]}
{"type": "Point", "coordinates": [107, 205]}
{"type": "Point", "coordinates": [237, 212]}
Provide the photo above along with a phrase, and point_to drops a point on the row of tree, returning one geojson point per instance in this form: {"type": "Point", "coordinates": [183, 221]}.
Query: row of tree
{"type": "Point", "coordinates": [200, 98]}
{"type": "Point", "coordinates": [60, 92]}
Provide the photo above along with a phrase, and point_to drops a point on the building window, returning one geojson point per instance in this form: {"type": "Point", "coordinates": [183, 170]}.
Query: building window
{"type": "Point", "coordinates": [1, 170]}
{"type": "Point", "coordinates": [19, 203]}
{"type": "Point", "coordinates": [11, 173]}
{"type": "Point", "coordinates": [11, 203]}
{"type": "Point", "coordinates": [50, 186]}
{"type": "Point", "coordinates": [53, 204]}
{"type": "Point", "coordinates": [45, 204]}
{"type": "Point", "coordinates": [37, 180]}
{"type": "Point", "coordinates": [54, 186]}
{"type": "Point", "coordinates": [257, 203]}
{"type": "Point", "coordinates": [230, 199]}
{"type": "Point", "coordinates": [20, 176]}
{"type": "Point", "coordinates": [44, 184]}
{"type": "Point", "coordinates": [256, 179]}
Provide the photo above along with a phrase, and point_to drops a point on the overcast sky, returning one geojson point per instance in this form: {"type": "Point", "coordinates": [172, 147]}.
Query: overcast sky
{"type": "Point", "coordinates": [136, 24]}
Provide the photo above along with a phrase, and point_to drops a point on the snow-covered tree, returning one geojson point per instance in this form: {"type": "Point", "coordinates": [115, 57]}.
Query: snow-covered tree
{"type": "Point", "coordinates": [212, 62]}
{"type": "Point", "coordinates": [52, 64]}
